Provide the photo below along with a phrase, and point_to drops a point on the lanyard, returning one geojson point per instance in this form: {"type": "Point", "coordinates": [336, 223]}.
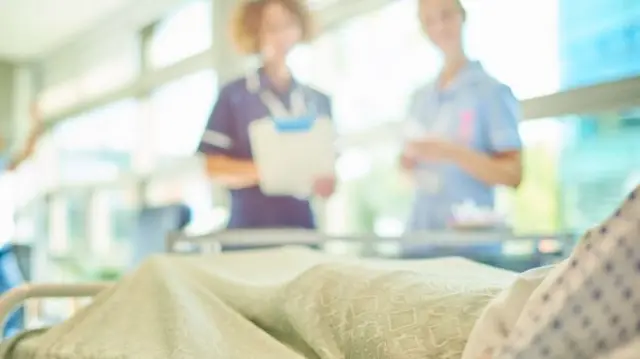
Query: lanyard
{"type": "Point", "coordinates": [272, 102]}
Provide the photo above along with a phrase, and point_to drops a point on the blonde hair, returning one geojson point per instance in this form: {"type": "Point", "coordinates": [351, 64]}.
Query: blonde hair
{"type": "Point", "coordinates": [247, 21]}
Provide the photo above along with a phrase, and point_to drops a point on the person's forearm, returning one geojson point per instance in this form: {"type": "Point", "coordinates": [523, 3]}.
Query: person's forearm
{"type": "Point", "coordinates": [12, 164]}
{"type": "Point", "coordinates": [26, 151]}
{"type": "Point", "coordinates": [231, 172]}
{"type": "Point", "coordinates": [492, 170]}
{"type": "Point", "coordinates": [15, 161]}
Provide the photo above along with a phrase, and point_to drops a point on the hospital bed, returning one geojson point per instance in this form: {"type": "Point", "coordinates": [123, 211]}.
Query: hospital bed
{"type": "Point", "coordinates": [431, 244]}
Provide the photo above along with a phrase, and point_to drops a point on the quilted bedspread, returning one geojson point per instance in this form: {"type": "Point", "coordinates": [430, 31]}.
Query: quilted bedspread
{"type": "Point", "coordinates": [288, 303]}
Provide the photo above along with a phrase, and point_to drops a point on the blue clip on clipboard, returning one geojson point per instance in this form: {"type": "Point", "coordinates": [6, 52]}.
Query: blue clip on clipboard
{"type": "Point", "coordinates": [290, 151]}
{"type": "Point", "coordinates": [293, 124]}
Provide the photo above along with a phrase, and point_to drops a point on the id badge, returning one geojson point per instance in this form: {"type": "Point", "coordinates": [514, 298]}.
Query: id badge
{"type": "Point", "coordinates": [466, 128]}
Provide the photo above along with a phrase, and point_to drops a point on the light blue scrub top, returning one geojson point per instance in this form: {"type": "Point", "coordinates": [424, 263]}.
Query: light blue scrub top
{"type": "Point", "coordinates": [477, 111]}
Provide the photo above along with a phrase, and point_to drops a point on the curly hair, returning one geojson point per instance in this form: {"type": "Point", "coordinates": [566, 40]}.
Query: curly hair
{"type": "Point", "coordinates": [247, 20]}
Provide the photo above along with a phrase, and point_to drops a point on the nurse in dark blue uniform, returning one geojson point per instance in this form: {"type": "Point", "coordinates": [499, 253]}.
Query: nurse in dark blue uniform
{"type": "Point", "coordinates": [270, 29]}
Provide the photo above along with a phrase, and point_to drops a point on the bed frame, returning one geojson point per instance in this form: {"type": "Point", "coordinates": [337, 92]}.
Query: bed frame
{"type": "Point", "coordinates": [217, 242]}
{"type": "Point", "coordinates": [248, 238]}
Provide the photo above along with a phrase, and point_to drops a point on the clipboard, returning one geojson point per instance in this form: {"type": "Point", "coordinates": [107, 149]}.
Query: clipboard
{"type": "Point", "coordinates": [292, 153]}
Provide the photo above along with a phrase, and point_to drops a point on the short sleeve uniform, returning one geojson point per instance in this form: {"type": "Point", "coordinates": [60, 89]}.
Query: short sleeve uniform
{"type": "Point", "coordinates": [227, 134]}
{"type": "Point", "coordinates": [476, 111]}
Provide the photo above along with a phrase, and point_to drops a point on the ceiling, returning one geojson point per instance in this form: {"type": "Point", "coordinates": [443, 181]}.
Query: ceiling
{"type": "Point", "coordinates": [31, 28]}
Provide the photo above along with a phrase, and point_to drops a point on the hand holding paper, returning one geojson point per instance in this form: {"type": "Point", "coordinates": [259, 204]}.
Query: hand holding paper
{"type": "Point", "coordinates": [430, 149]}
{"type": "Point", "coordinates": [407, 162]}
{"type": "Point", "coordinates": [294, 156]}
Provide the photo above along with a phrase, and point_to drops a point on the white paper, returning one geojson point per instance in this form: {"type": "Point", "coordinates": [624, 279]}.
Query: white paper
{"type": "Point", "coordinates": [290, 162]}
{"type": "Point", "coordinates": [414, 130]}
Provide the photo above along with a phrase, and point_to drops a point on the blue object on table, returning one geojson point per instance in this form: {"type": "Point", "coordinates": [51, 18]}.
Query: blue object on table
{"type": "Point", "coordinates": [153, 226]}
{"type": "Point", "coordinates": [11, 277]}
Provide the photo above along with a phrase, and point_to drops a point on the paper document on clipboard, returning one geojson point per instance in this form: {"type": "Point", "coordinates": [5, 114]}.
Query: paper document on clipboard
{"type": "Point", "coordinates": [290, 154]}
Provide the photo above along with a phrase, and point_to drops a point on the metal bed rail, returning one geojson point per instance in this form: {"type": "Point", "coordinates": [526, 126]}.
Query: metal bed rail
{"type": "Point", "coordinates": [10, 300]}
{"type": "Point", "coordinates": [215, 242]}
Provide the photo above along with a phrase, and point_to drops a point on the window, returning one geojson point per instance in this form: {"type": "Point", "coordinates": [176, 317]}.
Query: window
{"type": "Point", "coordinates": [369, 66]}
{"type": "Point", "coordinates": [598, 167]}
{"type": "Point", "coordinates": [599, 41]}
{"type": "Point", "coordinates": [183, 34]}
{"type": "Point", "coordinates": [383, 58]}
{"type": "Point", "coordinates": [58, 236]}
{"type": "Point", "coordinates": [179, 114]}
{"type": "Point", "coordinates": [553, 45]}
{"type": "Point", "coordinates": [69, 223]}
{"type": "Point", "coordinates": [319, 63]}
{"type": "Point", "coordinates": [517, 41]}
{"type": "Point", "coordinates": [98, 145]}
{"type": "Point", "coordinates": [535, 206]}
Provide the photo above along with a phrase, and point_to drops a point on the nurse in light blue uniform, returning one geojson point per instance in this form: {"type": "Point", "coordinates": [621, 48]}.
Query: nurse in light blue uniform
{"type": "Point", "coordinates": [463, 128]}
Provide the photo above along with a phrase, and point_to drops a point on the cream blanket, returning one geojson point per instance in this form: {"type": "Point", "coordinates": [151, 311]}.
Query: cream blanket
{"type": "Point", "coordinates": [276, 304]}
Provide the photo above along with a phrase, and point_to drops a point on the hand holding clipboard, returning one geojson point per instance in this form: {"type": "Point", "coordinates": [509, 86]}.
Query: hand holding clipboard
{"type": "Point", "coordinates": [292, 154]}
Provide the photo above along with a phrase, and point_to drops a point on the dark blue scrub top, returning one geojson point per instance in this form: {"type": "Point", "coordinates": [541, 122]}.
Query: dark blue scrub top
{"type": "Point", "coordinates": [227, 134]}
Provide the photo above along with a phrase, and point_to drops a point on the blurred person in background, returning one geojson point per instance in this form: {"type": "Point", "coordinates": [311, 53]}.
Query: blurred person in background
{"type": "Point", "coordinates": [464, 128]}
{"type": "Point", "coordinates": [9, 162]}
{"type": "Point", "coordinates": [11, 274]}
{"type": "Point", "coordinates": [269, 29]}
